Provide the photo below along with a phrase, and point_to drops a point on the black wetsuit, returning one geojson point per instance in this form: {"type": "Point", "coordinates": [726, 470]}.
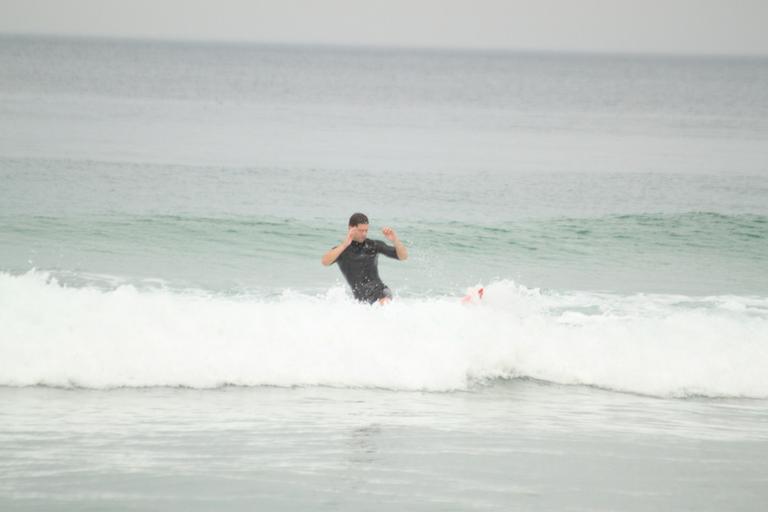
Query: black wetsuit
{"type": "Point", "coordinates": [358, 264]}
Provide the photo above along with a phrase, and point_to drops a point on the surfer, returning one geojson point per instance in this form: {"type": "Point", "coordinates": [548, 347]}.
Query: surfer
{"type": "Point", "coordinates": [358, 255]}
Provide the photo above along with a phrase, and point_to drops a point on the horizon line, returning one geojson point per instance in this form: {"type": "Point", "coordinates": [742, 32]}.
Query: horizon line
{"type": "Point", "coordinates": [375, 47]}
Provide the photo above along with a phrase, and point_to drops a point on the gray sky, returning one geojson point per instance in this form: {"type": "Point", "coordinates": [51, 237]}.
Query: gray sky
{"type": "Point", "coordinates": [655, 26]}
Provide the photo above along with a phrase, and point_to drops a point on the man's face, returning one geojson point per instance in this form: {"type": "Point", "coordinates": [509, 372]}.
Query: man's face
{"type": "Point", "coordinates": [360, 232]}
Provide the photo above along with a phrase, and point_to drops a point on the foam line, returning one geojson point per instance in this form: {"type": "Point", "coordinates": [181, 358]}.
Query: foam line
{"type": "Point", "coordinates": [659, 345]}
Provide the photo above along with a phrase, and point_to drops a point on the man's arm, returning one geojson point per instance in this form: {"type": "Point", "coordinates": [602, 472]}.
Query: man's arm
{"type": "Point", "coordinates": [332, 255]}
{"type": "Point", "coordinates": [402, 252]}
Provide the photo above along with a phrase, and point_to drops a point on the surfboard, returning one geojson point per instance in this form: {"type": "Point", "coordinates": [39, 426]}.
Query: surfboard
{"type": "Point", "coordinates": [475, 295]}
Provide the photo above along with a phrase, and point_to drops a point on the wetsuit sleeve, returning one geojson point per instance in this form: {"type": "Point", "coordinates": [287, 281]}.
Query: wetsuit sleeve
{"type": "Point", "coordinates": [386, 250]}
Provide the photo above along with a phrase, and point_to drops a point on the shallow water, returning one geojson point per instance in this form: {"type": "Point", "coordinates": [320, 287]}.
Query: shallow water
{"type": "Point", "coordinates": [511, 445]}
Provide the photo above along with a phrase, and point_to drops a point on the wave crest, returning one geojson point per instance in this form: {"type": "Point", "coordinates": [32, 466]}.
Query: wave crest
{"type": "Point", "coordinates": [661, 345]}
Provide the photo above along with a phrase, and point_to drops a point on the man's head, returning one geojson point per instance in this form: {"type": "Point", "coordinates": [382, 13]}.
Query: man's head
{"type": "Point", "coordinates": [359, 221]}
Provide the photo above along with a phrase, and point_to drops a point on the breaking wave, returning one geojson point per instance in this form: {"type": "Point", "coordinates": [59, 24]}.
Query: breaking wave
{"type": "Point", "coordinates": [663, 345]}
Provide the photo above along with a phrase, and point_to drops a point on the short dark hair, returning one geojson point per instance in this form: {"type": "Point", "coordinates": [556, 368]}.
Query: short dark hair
{"type": "Point", "coordinates": [357, 218]}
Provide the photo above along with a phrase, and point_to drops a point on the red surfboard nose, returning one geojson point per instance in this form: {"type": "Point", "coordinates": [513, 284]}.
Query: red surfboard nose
{"type": "Point", "coordinates": [469, 297]}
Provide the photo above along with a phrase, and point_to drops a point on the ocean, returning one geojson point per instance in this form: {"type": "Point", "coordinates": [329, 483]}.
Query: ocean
{"type": "Point", "coordinates": [170, 341]}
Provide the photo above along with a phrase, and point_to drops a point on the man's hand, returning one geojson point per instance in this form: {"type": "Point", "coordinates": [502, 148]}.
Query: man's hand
{"type": "Point", "coordinates": [331, 256]}
{"type": "Point", "coordinates": [402, 252]}
{"type": "Point", "coordinates": [350, 236]}
{"type": "Point", "coordinates": [390, 234]}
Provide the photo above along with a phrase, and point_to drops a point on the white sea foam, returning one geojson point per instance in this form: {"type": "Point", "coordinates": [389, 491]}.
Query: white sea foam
{"type": "Point", "coordinates": [660, 345]}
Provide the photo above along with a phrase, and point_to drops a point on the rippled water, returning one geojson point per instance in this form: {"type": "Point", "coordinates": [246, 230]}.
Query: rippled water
{"type": "Point", "coordinates": [521, 445]}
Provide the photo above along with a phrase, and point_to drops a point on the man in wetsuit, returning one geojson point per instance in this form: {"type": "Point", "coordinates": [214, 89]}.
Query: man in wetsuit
{"type": "Point", "coordinates": [358, 255]}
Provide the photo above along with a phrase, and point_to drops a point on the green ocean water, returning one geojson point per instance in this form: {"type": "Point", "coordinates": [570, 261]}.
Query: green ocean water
{"type": "Point", "coordinates": [232, 168]}
{"type": "Point", "coordinates": [235, 230]}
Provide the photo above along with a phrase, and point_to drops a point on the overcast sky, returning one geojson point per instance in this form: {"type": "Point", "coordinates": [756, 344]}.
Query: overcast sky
{"type": "Point", "coordinates": [655, 26]}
